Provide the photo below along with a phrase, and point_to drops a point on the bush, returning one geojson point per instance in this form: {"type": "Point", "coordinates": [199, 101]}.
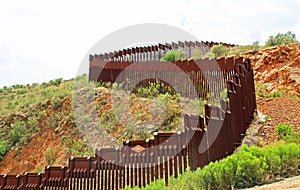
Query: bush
{"type": "Point", "coordinates": [3, 148]}
{"type": "Point", "coordinates": [283, 130]}
{"type": "Point", "coordinates": [218, 51]}
{"type": "Point", "coordinates": [198, 54]}
{"type": "Point", "coordinates": [17, 132]}
{"type": "Point", "coordinates": [249, 167]}
{"type": "Point", "coordinates": [51, 155]}
{"type": "Point", "coordinates": [286, 132]}
{"type": "Point", "coordinates": [174, 55]}
{"type": "Point", "coordinates": [280, 39]}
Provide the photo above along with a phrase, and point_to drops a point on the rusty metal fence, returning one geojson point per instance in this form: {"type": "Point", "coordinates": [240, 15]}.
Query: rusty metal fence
{"type": "Point", "coordinates": [199, 76]}
{"type": "Point", "coordinates": [155, 52]}
{"type": "Point", "coordinates": [205, 138]}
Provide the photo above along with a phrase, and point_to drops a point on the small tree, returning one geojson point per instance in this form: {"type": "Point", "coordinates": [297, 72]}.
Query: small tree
{"type": "Point", "coordinates": [280, 39]}
{"type": "Point", "coordinates": [218, 51]}
{"type": "Point", "coordinates": [255, 46]}
{"type": "Point", "coordinates": [198, 54]}
{"type": "Point", "coordinates": [174, 55]}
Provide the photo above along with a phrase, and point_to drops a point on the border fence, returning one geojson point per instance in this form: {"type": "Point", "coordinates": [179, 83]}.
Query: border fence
{"type": "Point", "coordinates": [155, 52]}
{"type": "Point", "coordinates": [204, 139]}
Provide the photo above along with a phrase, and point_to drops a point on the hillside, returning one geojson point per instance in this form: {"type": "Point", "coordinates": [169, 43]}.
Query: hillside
{"type": "Point", "coordinates": [38, 127]}
{"type": "Point", "coordinates": [277, 79]}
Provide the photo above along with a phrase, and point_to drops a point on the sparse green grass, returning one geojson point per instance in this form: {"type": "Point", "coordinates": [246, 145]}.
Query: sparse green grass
{"type": "Point", "coordinates": [295, 96]}
{"type": "Point", "coordinates": [239, 50]}
{"type": "Point", "coordinates": [261, 91]}
{"type": "Point", "coordinates": [25, 105]}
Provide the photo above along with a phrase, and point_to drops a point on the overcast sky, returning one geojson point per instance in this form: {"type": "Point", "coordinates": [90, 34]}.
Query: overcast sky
{"type": "Point", "coordinates": [44, 40]}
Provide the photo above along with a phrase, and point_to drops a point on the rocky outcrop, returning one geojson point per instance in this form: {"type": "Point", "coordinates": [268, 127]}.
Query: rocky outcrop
{"type": "Point", "coordinates": [278, 68]}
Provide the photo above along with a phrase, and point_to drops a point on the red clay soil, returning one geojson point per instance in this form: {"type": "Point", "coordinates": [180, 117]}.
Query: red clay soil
{"type": "Point", "coordinates": [281, 111]}
{"type": "Point", "coordinates": [32, 156]}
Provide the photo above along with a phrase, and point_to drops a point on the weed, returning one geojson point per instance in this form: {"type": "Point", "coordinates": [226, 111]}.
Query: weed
{"type": "Point", "coordinates": [283, 130]}
{"type": "Point", "coordinates": [3, 148]}
{"type": "Point", "coordinates": [268, 118]}
{"type": "Point", "coordinates": [50, 155]}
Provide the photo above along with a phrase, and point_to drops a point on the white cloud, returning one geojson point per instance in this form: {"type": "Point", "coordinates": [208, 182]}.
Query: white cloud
{"type": "Point", "coordinates": [43, 40]}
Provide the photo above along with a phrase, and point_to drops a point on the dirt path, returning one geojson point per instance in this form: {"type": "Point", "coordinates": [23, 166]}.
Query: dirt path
{"type": "Point", "coordinates": [289, 183]}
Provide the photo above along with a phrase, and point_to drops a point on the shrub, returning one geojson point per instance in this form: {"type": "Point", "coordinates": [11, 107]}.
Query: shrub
{"type": "Point", "coordinates": [57, 82]}
{"type": "Point", "coordinates": [249, 167]}
{"type": "Point", "coordinates": [283, 130]}
{"type": "Point", "coordinates": [280, 39]}
{"type": "Point", "coordinates": [293, 138]}
{"type": "Point", "coordinates": [198, 54]}
{"type": "Point", "coordinates": [17, 132]}
{"type": "Point", "coordinates": [261, 89]}
{"type": "Point", "coordinates": [218, 51]}
{"type": "Point", "coordinates": [174, 55]}
{"type": "Point", "coordinates": [286, 132]}
{"type": "Point", "coordinates": [3, 148]}
{"type": "Point", "coordinates": [51, 155]}
{"type": "Point", "coordinates": [289, 158]}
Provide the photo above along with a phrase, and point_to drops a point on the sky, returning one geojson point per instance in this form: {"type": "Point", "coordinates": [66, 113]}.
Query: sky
{"type": "Point", "coordinates": [44, 40]}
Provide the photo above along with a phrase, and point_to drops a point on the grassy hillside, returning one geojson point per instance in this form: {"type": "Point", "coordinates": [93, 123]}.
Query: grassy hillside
{"type": "Point", "coordinates": [21, 108]}
{"type": "Point", "coordinates": [41, 117]}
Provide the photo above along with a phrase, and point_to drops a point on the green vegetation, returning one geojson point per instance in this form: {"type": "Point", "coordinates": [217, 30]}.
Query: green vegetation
{"type": "Point", "coordinates": [174, 55]}
{"type": "Point", "coordinates": [21, 108]}
{"type": "Point", "coordinates": [154, 89]}
{"type": "Point", "coordinates": [249, 167]}
{"type": "Point", "coordinates": [281, 39]}
{"type": "Point", "coordinates": [286, 132]}
{"type": "Point", "coordinates": [76, 148]}
{"type": "Point", "coordinates": [198, 54]}
{"type": "Point", "coordinates": [218, 51]}
{"type": "Point", "coordinates": [22, 97]}
{"type": "Point", "coordinates": [261, 91]}
{"type": "Point", "coordinates": [239, 50]}
{"type": "Point", "coordinates": [267, 118]}
{"type": "Point", "coordinates": [50, 155]}
{"type": "Point", "coordinates": [3, 148]}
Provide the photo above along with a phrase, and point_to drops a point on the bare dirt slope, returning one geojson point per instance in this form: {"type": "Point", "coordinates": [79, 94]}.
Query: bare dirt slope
{"type": "Point", "coordinates": [282, 110]}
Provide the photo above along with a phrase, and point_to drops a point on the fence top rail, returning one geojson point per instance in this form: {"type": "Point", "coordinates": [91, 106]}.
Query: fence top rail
{"type": "Point", "coordinates": [158, 47]}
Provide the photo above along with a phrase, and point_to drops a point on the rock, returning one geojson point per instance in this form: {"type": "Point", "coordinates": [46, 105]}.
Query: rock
{"type": "Point", "coordinates": [278, 66]}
